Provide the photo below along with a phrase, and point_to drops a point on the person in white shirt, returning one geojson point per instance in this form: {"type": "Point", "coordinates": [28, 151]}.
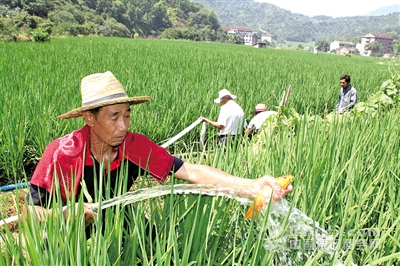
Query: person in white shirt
{"type": "Point", "coordinates": [258, 120]}
{"type": "Point", "coordinates": [231, 120]}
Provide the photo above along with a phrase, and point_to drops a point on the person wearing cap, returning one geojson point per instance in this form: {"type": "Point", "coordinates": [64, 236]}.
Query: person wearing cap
{"type": "Point", "coordinates": [261, 114]}
{"type": "Point", "coordinates": [231, 118]}
{"type": "Point", "coordinates": [104, 147]}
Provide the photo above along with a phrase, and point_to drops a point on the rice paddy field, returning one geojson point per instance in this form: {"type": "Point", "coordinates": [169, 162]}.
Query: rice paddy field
{"type": "Point", "coordinates": [346, 172]}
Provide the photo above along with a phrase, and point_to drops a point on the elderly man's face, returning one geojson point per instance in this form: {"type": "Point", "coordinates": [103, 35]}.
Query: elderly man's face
{"type": "Point", "coordinates": [110, 125]}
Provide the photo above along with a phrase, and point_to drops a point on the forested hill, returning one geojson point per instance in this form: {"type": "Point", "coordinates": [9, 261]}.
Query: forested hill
{"type": "Point", "coordinates": [198, 20]}
{"type": "Point", "coordinates": [283, 24]}
{"type": "Point", "coordinates": [182, 18]}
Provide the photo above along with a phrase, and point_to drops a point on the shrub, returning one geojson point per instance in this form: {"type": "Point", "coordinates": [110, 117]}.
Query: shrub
{"type": "Point", "coordinates": [40, 35]}
{"type": "Point", "coordinates": [113, 28]}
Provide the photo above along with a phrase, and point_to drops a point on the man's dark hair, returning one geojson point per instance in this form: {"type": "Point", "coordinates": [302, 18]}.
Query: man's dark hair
{"type": "Point", "coordinates": [228, 97]}
{"type": "Point", "coordinates": [95, 111]}
{"type": "Point", "coordinates": [345, 77]}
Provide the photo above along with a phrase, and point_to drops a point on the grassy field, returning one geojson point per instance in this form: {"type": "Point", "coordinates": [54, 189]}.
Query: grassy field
{"type": "Point", "coordinates": [346, 172]}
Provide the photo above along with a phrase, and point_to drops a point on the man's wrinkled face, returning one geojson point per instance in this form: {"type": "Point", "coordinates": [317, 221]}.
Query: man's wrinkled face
{"type": "Point", "coordinates": [110, 125]}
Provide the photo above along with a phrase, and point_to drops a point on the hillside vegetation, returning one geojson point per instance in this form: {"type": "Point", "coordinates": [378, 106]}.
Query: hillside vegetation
{"type": "Point", "coordinates": [179, 19]}
{"type": "Point", "coordinates": [283, 24]}
{"type": "Point", "coordinates": [183, 18]}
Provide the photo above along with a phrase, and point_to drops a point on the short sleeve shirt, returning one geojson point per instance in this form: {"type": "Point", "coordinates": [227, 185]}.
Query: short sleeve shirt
{"type": "Point", "coordinates": [259, 119]}
{"type": "Point", "coordinates": [126, 173]}
{"type": "Point", "coordinates": [231, 116]}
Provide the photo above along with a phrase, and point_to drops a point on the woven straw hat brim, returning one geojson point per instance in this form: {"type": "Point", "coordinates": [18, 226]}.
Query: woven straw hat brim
{"type": "Point", "coordinates": [78, 111]}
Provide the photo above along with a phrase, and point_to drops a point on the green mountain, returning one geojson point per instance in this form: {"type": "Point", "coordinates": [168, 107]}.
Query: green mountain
{"type": "Point", "coordinates": [198, 20]}
{"type": "Point", "coordinates": [283, 24]}
{"type": "Point", "coordinates": [176, 19]}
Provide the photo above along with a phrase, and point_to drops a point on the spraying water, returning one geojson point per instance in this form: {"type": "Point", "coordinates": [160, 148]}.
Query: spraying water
{"type": "Point", "coordinates": [288, 230]}
{"type": "Point", "coordinates": [147, 193]}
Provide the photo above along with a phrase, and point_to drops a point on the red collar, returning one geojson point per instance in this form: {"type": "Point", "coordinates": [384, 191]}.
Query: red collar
{"type": "Point", "coordinates": [89, 159]}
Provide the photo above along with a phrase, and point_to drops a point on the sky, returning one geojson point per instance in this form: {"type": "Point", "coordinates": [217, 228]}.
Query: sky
{"type": "Point", "coordinates": [332, 8]}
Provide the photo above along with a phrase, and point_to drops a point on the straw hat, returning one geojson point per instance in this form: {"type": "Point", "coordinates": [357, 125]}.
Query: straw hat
{"type": "Point", "coordinates": [222, 93]}
{"type": "Point", "coordinates": [102, 89]}
{"type": "Point", "coordinates": [260, 108]}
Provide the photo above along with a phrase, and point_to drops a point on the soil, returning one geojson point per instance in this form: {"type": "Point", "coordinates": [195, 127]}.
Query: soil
{"type": "Point", "coordinates": [10, 203]}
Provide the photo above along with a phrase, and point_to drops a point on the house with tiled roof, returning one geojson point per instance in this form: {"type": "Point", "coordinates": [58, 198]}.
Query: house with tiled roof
{"type": "Point", "coordinates": [383, 39]}
{"type": "Point", "coordinates": [234, 29]}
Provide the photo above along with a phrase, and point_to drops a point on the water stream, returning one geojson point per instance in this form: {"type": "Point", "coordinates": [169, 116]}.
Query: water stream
{"type": "Point", "coordinates": [288, 230]}
{"type": "Point", "coordinates": [157, 191]}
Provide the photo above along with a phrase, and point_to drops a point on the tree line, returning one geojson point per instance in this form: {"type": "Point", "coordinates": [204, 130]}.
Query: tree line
{"type": "Point", "coordinates": [285, 25]}
{"type": "Point", "coordinates": [174, 19]}
{"type": "Point", "coordinates": [180, 19]}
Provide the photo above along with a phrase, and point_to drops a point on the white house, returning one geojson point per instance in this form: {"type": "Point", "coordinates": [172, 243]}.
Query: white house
{"type": "Point", "coordinates": [249, 37]}
{"type": "Point", "coordinates": [266, 37]}
{"type": "Point", "coordinates": [339, 44]}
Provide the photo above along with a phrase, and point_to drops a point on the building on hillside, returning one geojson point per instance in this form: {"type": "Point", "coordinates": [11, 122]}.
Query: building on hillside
{"type": "Point", "coordinates": [346, 50]}
{"type": "Point", "coordinates": [249, 37]}
{"type": "Point", "coordinates": [266, 37]}
{"type": "Point", "coordinates": [236, 30]}
{"type": "Point", "coordinates": [338, 44]}
{"type": "Point", "coordinates": [385, 40]}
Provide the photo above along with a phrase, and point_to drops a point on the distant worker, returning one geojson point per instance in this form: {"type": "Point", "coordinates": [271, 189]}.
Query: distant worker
{"type": "Point", "coordinates": [258, 120]}
{"type": "Point", "coordinates": [231, 118]}
{"type": "Point", "coordinates": [347, 95]}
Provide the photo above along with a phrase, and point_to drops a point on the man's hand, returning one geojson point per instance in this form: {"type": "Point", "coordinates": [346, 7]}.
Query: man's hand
{"type": "Point", "coordinates": [87, 211]}
{"type": "Point", "coordinates": [89, 214]}
{"type": "Point", "coordinates": [203, 119]}
{"type": "Point", "coordinates": [279, 193]}
{"type": "Point", "coordinates": [214, 124]}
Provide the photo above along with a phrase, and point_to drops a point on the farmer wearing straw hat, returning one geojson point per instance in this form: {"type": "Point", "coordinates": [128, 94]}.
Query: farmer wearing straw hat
{"type": "Point", "coordinates": [231, 117]}
{"type": "Point", "coordinates": [74, 163]}
{"type": "Point", "coordinates": [261, 114]}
